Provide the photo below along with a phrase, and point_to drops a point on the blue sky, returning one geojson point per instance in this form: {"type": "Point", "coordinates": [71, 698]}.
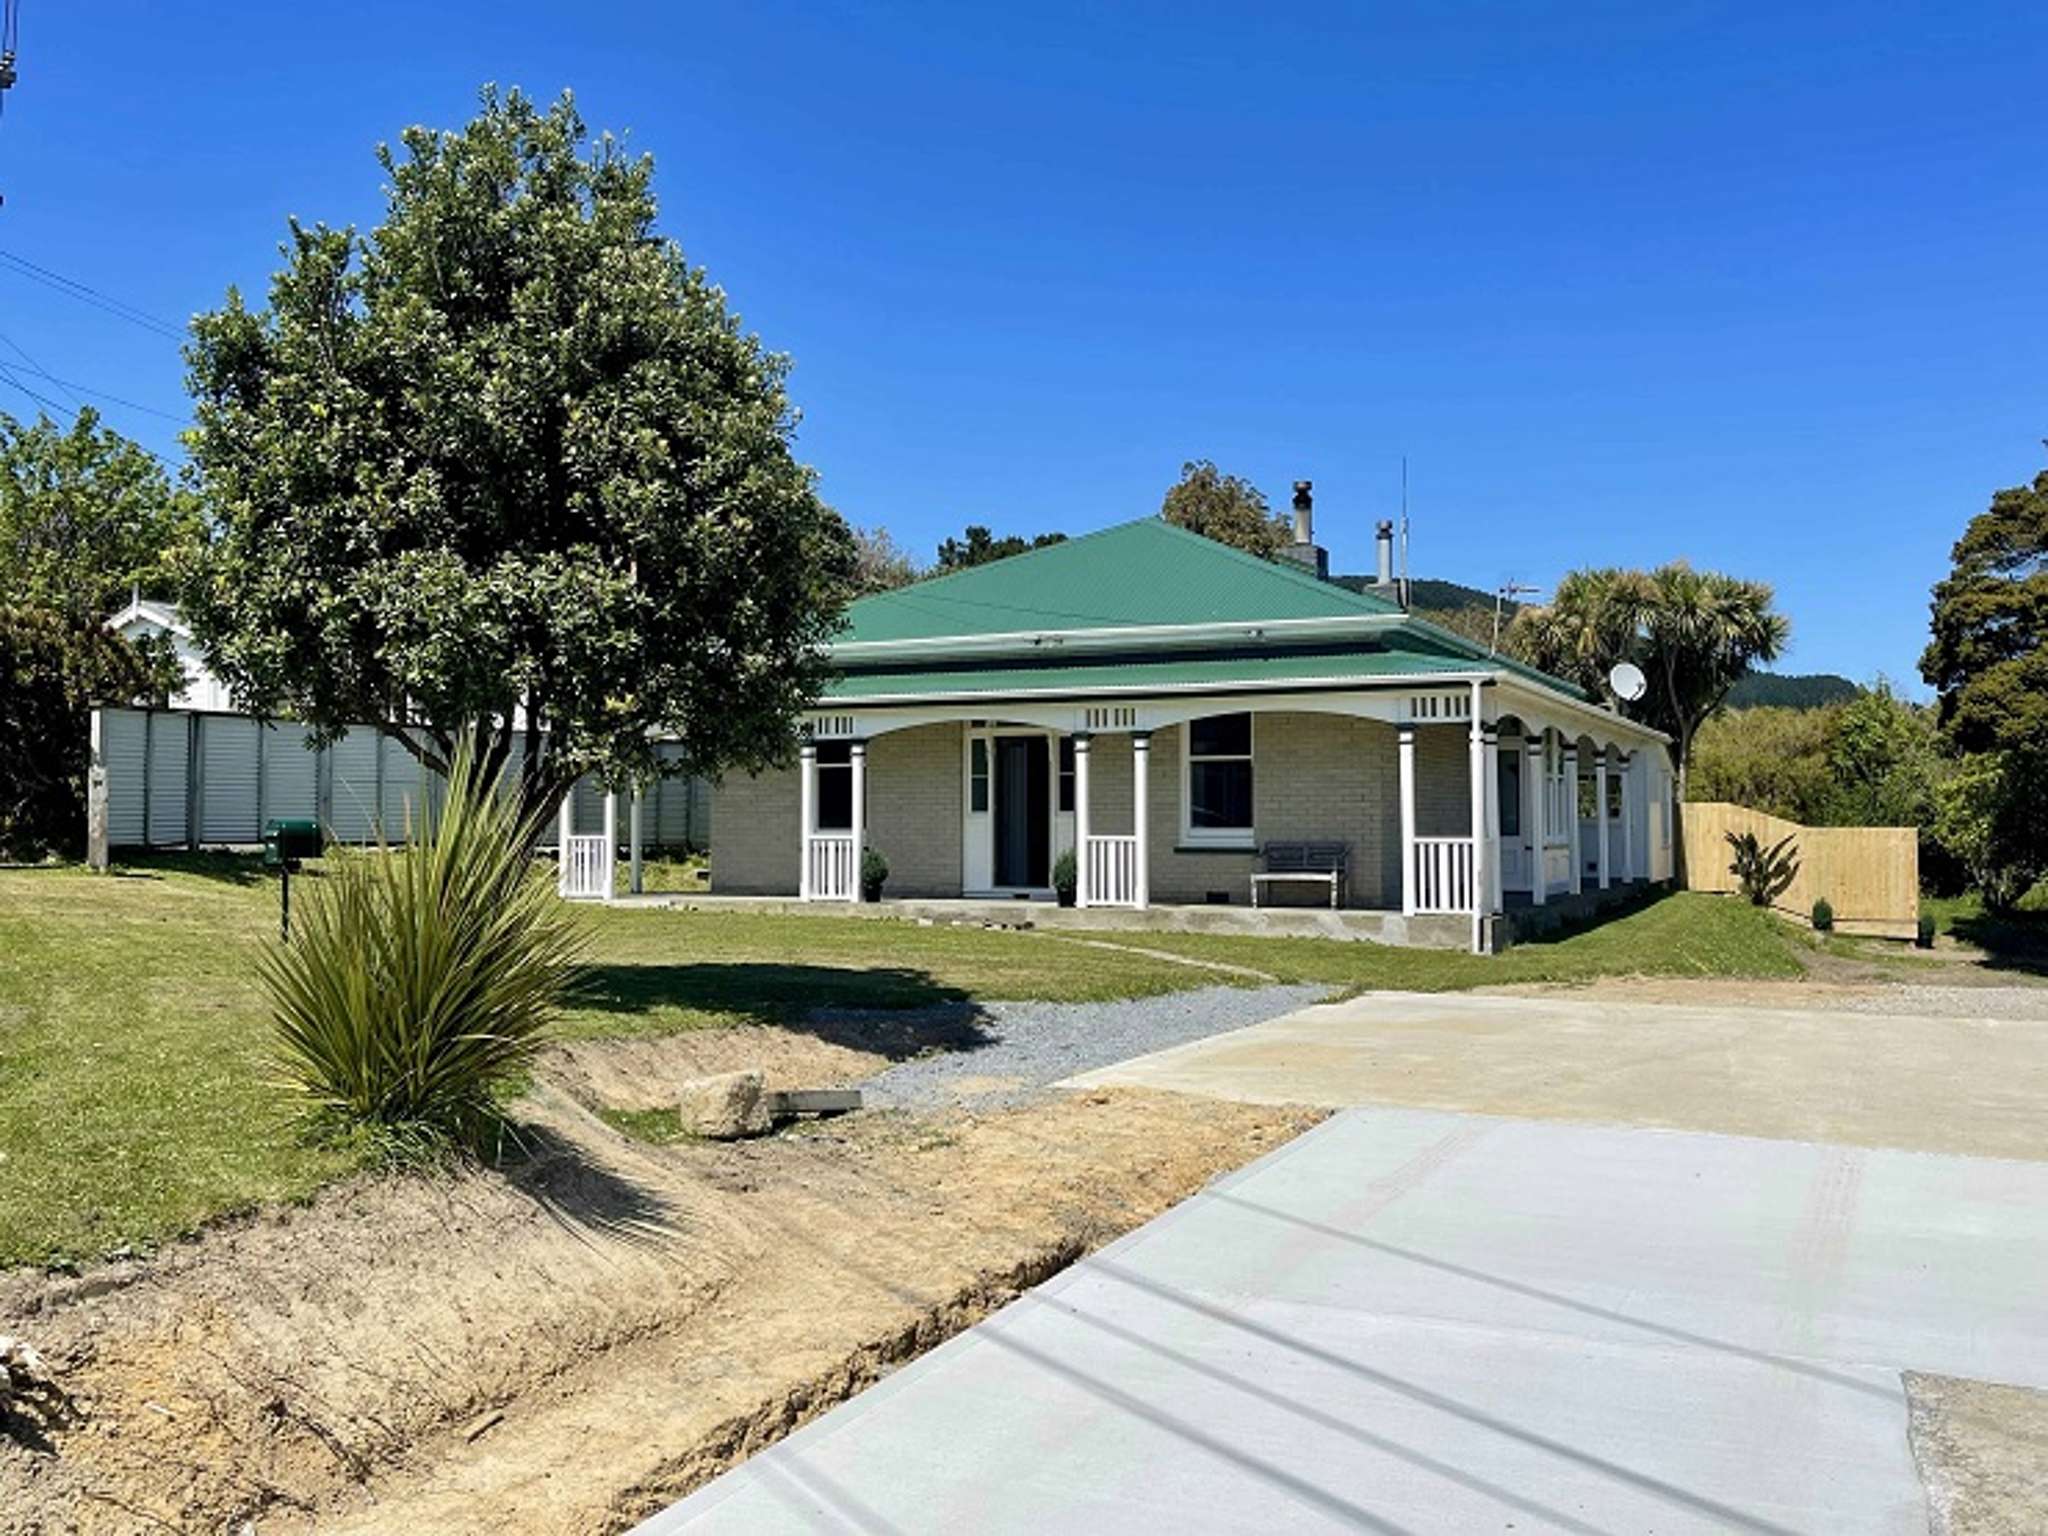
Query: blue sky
{"type": "Point", "coordinates": [1758, 285]}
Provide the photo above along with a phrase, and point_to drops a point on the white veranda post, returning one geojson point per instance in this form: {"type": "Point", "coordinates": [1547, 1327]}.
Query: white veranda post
{"type": "Point", "coordinates": [1081, 891]}
{"type": "Point", "coordinates": [610, 861]}
{"type": "Point", "coordinates": [1600, 813]}
{"type": "Point", "coordinates": [1534, 793]}
{"type": "Point", "coordinates": [807, 815]}
{"type": "Point", "coordinates": [1493, 819]}
{"type": "Point", "coordinates": [1482, 876]}
{"type": "Point", "coordinates": [1141, 773]}
{"type": "Point", "coordinates": [635, 830]}
{"type": "Point", "coordinates": [857, 756]}
{"type": "Point", "coordinates": [1571, 817]}
{"type": "Point", "coordinates": [565, 827]}
{"type": "Point", "coordinates": [1408, 893]}
{"type": "Point", "coordinates": [1628, 816]}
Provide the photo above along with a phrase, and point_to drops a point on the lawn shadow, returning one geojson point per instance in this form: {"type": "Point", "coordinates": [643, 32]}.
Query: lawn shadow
{"type": "Point", "coordinates": [238, 869]}
{"type": "Point", "coordinates": [893, 1011]}
{"type": "Point", "coordinates": [2011, 941]}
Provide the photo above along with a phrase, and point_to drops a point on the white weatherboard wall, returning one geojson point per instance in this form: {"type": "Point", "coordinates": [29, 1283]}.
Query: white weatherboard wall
{"type": "Point", "coordinates": [182, 778]}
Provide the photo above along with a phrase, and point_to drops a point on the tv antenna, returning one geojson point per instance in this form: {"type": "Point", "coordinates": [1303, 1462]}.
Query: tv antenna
{"type": "Point", "coordinates": [1507, 592]}
{"type": "Point", "coordinates": [10, 27]}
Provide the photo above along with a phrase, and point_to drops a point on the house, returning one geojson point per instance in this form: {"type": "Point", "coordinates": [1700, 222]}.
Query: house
{"type": "Point", "coordinates": [1169, 709]}
{"type": "Point", "coordinates": [145, 618]}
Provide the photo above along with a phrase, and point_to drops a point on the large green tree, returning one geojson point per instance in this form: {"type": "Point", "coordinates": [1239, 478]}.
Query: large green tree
{"type": "Point", "coordinates": [52, 672]}
{"type": "Point", "coordinates": [86, 517]}
{"type": "Point", "coordinates": [1694, 634]}
{"type": "Point", "coordinates": [1225, 508]}
{"type": "Point", "coordinates": [510, 452]}
{"type": "Point", "coordinates": [1988, 662]}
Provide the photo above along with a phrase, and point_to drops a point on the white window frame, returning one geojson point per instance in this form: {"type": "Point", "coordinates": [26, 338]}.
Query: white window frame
{"type": "Point", "coordinates": [821, 768]}
{"type": "Point", "coordinates": [1218, 837]}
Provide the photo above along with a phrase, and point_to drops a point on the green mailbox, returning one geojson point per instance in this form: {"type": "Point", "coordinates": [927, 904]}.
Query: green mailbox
{"type": "Point", "coordinates": [290, 839]}
{"type": "Point", "coordinates": [286, 841]}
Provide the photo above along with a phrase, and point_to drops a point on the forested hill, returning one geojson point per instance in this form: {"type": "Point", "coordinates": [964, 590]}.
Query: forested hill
{"type": "Point", "coordinates": [1790, 690]}
{"type": "Point", "coordinates": [1433, 596]}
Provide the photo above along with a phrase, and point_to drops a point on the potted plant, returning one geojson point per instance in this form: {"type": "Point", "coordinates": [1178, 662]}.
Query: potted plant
{"type": "Point", "coordinates": [874, 872]}
{"type": "Point", "coordinates": [1064, 879]}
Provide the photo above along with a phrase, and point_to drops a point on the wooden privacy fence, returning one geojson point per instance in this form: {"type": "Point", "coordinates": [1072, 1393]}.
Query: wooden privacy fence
{"type": "Point", "coordinates": [1869, 875]}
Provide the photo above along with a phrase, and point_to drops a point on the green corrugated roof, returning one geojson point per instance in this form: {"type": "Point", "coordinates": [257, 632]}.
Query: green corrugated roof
{"type": "Point", "coordinates": [1309, 665]}
{"type": "Point", "coordinates": [1141, 573]}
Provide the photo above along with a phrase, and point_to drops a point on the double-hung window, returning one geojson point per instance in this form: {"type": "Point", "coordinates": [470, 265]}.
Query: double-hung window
{"type": "Point", "coordinates": [1216, 782]}
{"type": "Point", "coordinates": [835, 786]}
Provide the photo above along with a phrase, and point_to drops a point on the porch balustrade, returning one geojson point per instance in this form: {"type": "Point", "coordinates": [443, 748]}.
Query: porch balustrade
{"type": "Point", "coordinates": [1112, 871]}
{"type": "Point", "coordinates": [587, 867]}
{"type": "Point", "coordinates": [1443, 874]}
{"type": "Point", "coordinates": [833, 867]}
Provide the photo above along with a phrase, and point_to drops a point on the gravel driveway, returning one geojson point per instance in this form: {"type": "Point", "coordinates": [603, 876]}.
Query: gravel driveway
{"type": "Point", "coordinates": [1032, 1045]}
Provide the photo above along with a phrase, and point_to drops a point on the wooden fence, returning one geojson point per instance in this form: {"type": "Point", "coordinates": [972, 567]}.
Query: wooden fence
{"type": "Point", "coordinates": [1869, 875]}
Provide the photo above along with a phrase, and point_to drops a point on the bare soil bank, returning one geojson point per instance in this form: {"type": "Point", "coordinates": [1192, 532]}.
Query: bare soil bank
{"type": "Point", "coordinates": [570, 1348]}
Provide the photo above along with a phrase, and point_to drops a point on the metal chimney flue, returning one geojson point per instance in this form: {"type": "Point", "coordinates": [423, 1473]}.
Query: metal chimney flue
{"type": "Point", "coordinates": [1385, 543]}
{"type": "Point", "coordinates": [1304, 551]}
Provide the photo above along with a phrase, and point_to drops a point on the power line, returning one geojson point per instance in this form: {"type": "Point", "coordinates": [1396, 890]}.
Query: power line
{"type": "Point", "coordinates": [85, 293]}
{"type": "Point", "coordinates": [75, 389]}
{"type": "Point", "coordinates": [33, 365]}
{"type": "Point", "coordinates": [9, 376]}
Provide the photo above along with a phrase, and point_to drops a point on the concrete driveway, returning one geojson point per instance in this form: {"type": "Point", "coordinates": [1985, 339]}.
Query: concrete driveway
{"type": "Point", "coordinates": [1962, 1083]}
{"type": "Point", "coordinates": [1425, 1319]}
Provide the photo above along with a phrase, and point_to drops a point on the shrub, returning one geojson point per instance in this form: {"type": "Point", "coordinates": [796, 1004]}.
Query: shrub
{"type": "Point", "coordinates": [1925, 937]}
{"type": "Point", "coordinates": [874, 871]}
{"type": "Point", "coordinates": [1763, 873]}
{"type": "Point", "coordinates": [1066, 878]}
{"type": "Point", "coordinates": [420, 980]}
{"type": "Point", "coordinates": [1823, 916]}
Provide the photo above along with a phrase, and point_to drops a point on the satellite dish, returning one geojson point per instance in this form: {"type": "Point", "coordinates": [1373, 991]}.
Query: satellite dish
{"type": "Point", "coordinates": [1627, 681]}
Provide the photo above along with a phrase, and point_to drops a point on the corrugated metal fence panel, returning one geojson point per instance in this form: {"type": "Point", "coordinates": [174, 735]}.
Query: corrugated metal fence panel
{"type": "Point", "coordinates": [230, 787]}
{"type": "Point", "coordinates": [588, 815]}
{"type": "Point", "coordinates": [170, 764]}
{"type": "Point", "coordinates": [352, 792]}
{"type": "Point", "coordinates": [402, 778]}
{"type": "Point", "coordinates": [122, 750]}
{"type": "Point", "coordinates": [291, 774]}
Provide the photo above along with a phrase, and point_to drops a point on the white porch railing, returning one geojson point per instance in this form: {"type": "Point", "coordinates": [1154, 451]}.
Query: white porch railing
{"type": "Point", "coordinates": [587, 867]}
{"type": "Point", "coordinates": [1443, 874]}
{"type": "Point", "coordinates": [1112, 871]}
{"type": "Point", "coordinates": [828, 857]}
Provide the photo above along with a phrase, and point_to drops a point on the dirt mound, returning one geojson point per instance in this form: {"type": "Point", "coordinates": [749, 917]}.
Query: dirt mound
{"type": "Point", "coordinates": [567, 1348]}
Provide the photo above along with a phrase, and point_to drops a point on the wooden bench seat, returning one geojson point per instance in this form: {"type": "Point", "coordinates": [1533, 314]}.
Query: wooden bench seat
{"type": "Point", "coordinates": [1324, 863]}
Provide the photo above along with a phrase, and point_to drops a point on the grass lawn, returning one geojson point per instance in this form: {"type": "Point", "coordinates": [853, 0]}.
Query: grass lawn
{"type": "Point", "coordinates": [1687, 934]}
{"type": "Point", "coordinates": [2015, 940]}
{"type": "Point", "coordinates": [136, 1092]}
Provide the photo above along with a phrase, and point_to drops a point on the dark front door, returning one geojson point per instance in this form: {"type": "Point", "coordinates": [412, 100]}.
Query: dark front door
{"type": "Point", "coordinates": [1023, 828]}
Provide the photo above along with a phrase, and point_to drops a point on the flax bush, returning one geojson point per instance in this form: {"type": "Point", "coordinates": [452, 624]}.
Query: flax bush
{"type": "Point", "coordinates": [421, 979]}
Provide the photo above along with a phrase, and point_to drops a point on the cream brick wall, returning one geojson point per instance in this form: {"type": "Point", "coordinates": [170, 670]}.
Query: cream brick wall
{"type": "Point", "coordinates": [1314, 777]}
{"type": "Point", "coordinates": [914, 789]}
{"type": "Point", "coordinates": [754, 845]}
